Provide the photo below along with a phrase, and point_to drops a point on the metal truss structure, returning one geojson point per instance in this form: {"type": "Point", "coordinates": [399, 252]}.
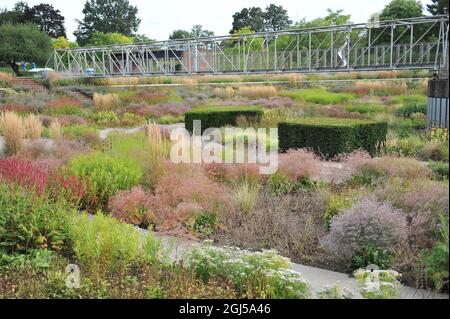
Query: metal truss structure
{"type": "Point", "coordinates": [416, 43]}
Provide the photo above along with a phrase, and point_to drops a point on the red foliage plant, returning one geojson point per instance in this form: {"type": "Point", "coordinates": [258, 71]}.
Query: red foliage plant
{"type": "Point", "coordinates": [16, 107]}
{"type": "Point", "coordinates": [64, 101]}
{"type": "Point", "coordinates": [24, 173]}
{"type": "Point", "coordinates": [182, 189]}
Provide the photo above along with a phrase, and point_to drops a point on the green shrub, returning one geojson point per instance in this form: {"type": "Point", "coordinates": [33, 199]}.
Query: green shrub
{"type": "Point", "coordinates": [440, 169]}
{"type": "Point", "coordinates": [105, 117]}
{"type": "Point", "coordinates": [335, 204]}
{"type": "Point", "coordinates": [331, 137]}
{"type": "Point", "coordinates": [106, 174]}
{"type": "Point", "coordinates": [410, 146]}
{"type": "Point", "coordinates": [319, 96]}
{"type": "Point", "coordinates": [370, 255]}
{"type": "Point", "coordinates": [65, 110]}
{"type": "Point", "coordinates": [408, 99]}
{"type": "Point", "coordinates": [436, 260]}
{"type": "Point", "coordinates": [102, 243]}
{"type": "Point", "coordinates": [216, 117]}
{"type": "Point", "coordinates": [79, 131]}
{"type": "Point", "coordinates": [280, 184]}
{"type": "Point", "coordinates": [411, 108]}
{"type": "Point", "coordinates": [259, 274]}
{"type": "Point", "coordinates": [365, 108]}
{"type": "Point", "coordinates": [28, 221]}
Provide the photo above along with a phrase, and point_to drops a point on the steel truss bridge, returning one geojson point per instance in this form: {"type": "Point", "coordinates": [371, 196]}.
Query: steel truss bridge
{"type": "Point", "coordinates": [416, 43]}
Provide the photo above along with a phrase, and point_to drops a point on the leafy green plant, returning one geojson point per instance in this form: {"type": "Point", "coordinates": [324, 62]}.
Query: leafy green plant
{"type": "Point", "coordinates": [105, 117]}
{"type": "Point", "coordinates": [370, 255]}
{"type": "Point", "coordinates": [28, 221]}
{"type": "Point", "coordinates": [103, 244]}
{"type": "Point", "coordinates": [106, 174]}
{"type": "Point", "coordinates": [437, 259]}
{"type": "Point", "coordinates": [205, 224]}
{"type": "Point", "coordinates": [335, 204]}
{"type": "Point", "coordinates": [411, 108]}
{"type": "Point", "coordinates": [280, 184]}
{"type": "Point", "coordinates": [259, 274]}
{"type": "Point", "coordinates": [440, 169]}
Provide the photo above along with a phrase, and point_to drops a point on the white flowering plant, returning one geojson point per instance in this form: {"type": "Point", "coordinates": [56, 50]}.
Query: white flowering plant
{"type": "Point", "coordinates": [378, 284]}
{"type": "Point", "coordinates": [263, 274]}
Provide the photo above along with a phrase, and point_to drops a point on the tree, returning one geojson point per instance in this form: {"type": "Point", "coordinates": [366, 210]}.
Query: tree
{"type": "Point", "coordinates": [179, 34]}
{"type": "Point", "coordinates": [196, 32]}
{"type": "Point", "coordinates": [272, 18]}
{"type": "Point", "coordinates": [16, 15]}
{"type": "Point", "coordinates": [437, 7]}
{"type": "Point", "coordinates": [48, 19]}
{"type": "Point", "coordinates": [23, 42]}
{"type": "Point", "coordinates": [252, 18]}
{"type": "Point", "coordinates": [99, 38]}
{"type": "Point", "coordinates": [107, 16]}
{"type": "Point", "coordinates": [401, 9]}
{"type": "Point", "coordinates": [63, 43]}
{"type": "Point", "coordinates": [45, 16]}
{"type": "Point", "coordinates": [142, 38]}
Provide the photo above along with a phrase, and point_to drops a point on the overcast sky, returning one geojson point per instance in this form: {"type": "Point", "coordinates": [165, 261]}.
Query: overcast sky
{"type": "Point", "coordinates": [160, 18]}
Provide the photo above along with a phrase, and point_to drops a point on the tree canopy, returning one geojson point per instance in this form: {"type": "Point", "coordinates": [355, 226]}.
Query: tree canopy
{"type": "Point", "coordinates": [45, 16]}
{"type": "Point", "coordinates": [438, 7]}
{"type": "Point", "coordinates": [107, 16]}
{"type": "Point", "coordinates": [23, 42]}
{"type": "Point", "coordinates": [401, 9]}
{"type": "Point", "coordinates": [197, 31]}
{"type": "Point", "coordinates": [272, 18]}
{"type": "Point", "coordinates": [252, 18]}
{"type": "Point", "coordinates": [99, 38]}
{"type": "Point", "coordinates": [63, 43]}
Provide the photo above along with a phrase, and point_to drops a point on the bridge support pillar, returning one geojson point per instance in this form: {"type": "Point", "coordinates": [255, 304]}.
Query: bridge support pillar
{"type": "Point", "coordinates": [437, 104]}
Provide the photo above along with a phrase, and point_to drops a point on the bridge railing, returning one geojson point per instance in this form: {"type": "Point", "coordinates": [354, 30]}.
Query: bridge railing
{"type": "Point", "coordinates": [387, 45]}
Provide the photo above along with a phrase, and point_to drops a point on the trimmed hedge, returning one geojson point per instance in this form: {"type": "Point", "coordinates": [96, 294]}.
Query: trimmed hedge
{"type": "Point", "coordinates": [220, 116]}
{"type": "Point", "coordinates": [330, 137]}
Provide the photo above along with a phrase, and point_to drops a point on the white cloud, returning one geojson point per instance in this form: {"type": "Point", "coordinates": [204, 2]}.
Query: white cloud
{"type": "Point", "coordinates": [159, 18]}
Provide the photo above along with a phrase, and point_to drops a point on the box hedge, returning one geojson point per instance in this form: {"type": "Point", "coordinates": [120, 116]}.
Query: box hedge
{"type": "Point", "coordinates": [330, 136]}
{"type": "Point", "coordinates": [220, 116]}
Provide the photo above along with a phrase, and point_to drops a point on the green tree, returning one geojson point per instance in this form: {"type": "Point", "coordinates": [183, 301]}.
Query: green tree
{"type": "Point", "coordinates": [99, 38]}
{"type": "Point", "coordinates": [16, 15]}
{"type": "Point", "coordinates": [252, 18]}
{"type": "Point", "coordinates": [400, 9]}
{"type": "Point", "coordinates": [47, 18]}
{"type": "Point", "coordinates": [142, 38]}
{"type": "Point", "coordinates": [63, 43]}
{"type": "Point", "coordinates": [197, 31]}
{"type": "Point", "coordinates": [107, 16]}
{"type": "Point", "coordinates": [276, 18]}
{"type": "Point", "coordinates": [437, 7]}
{"type": "Point", "coordinates": [179, 34]}
{"type": "Point", "coordinates": [23, 43]}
